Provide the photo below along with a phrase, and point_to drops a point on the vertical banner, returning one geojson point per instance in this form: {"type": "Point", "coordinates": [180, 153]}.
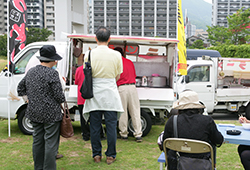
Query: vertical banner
{"type": "Point", "coordinates": [16, 38]}
{"type": "Point", "coordinates": [17, 27]}
{"type": "Point", "coordinates": [182, 65]}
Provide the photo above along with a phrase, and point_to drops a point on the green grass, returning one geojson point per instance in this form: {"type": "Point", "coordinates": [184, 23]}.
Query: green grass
{"type": "Point", "coordinates": [3, 62]}
{"type": "Point", "coordinates": [16, 151]}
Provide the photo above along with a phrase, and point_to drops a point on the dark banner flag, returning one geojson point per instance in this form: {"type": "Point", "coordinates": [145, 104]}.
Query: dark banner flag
{"type": "Point", "coordinates": [17, 27]}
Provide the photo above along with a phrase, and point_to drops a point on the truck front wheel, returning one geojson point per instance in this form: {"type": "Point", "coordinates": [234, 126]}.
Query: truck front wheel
{"type": "Point", "coordinates": [24, 123]}
{"type": "Point", "coordinates": [146, 123]}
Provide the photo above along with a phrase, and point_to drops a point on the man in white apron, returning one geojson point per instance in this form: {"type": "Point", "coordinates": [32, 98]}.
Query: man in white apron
{"type": "Point", "coordinates": [106, 69]}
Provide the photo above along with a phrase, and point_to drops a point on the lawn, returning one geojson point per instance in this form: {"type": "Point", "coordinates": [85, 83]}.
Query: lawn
{"type": "Point", "coordinates": [3, 62]}
{"type": "Point", "coordinates": [16, 152]}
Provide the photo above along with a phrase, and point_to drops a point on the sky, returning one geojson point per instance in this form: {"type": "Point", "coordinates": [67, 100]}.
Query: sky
{"type": "Point", "coordinates": [209, 1]}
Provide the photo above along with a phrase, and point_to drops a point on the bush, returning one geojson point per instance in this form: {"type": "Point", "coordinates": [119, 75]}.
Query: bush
{"type": "Point", "coordinates": [233, 51]}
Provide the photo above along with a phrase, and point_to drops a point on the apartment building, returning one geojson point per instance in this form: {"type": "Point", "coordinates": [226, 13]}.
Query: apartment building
{"type": "Point", "coordinates": [35, 13]}
{"type": "Point", "coordinates": [149, 18]}
{"type": "Point", "coordinates": [3, 16]}
{"type": "Point", "coordinates": [223, 8]}
{"type": "Point", "coordinates": [62, 17]}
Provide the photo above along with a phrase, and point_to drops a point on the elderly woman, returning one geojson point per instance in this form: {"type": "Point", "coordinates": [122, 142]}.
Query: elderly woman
{"type": "Point", "coordinates": [43, 88]}
{"type": "Point", "coordinates": [191, 124]}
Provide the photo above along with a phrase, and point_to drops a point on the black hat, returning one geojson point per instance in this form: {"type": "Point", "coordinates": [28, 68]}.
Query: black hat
{"type": "Point", "coordinates": [48, 53]}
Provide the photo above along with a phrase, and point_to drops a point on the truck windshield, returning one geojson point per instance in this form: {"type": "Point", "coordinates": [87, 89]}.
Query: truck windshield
{"type": "Point", "coordinates": [199, 73]}
{"type": "Point", "coordinates": [20, 65]}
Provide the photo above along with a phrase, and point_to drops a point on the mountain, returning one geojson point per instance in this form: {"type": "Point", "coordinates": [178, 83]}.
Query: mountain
{"type": "Point", "coordinates": [199, 13]}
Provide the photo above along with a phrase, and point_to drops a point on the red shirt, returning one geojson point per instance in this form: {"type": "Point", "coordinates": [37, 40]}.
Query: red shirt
{"type": "Point", "coordinates": [79, 77]}
{"type": "Point", "coordinates": [128, 75]}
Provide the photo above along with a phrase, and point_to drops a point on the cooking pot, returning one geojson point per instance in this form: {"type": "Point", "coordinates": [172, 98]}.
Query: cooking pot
{"type": "Point", "coordinates": [138, 81]}
{"type": "Point", "coordinates": [159, 81]}
{"type": "Point", "coordinates": [220, 82]}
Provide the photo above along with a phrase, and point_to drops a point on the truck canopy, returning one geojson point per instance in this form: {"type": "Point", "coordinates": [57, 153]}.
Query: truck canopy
{"type": "Point", "coordinates": [130, 40]}
{"type": "Point", "coordinates": [193, 54]}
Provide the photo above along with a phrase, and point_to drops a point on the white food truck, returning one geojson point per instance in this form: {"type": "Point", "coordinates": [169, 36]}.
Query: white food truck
{"type": "Point", "coordinates": [221, 83]}
{"type": "Point", "coordinates": [154, 60]}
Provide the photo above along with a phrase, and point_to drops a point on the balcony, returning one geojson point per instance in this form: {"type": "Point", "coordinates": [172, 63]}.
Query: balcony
{"type": "Point", "coordinates": [136, 34]}
{"type": "Point", "coordinates": [124, 31]}
{"type": "Point", "coordinates": [161, 24]}
{"type": "Point", "coordinates": [98, 5]}
{"type": "Point", "coordinates": [149, 24]}
{"type": "Point", "coordinates": [123, 24]}
{"type": "Point", "coordinates": [222, 7]}
{"type": "Point", "coordinates": [236, 1]}
{"type": "Point", "coordinates": [99, 18]}
{"type": "Point", "coordinates": [136, 24]}
{"type": "Point", "coordinates": [136, 5]}
{"type": "Point", "coordinates": [124, 11]}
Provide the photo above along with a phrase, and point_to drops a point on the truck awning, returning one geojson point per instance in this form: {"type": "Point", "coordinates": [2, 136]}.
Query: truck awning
{"type": "Point", "coordinates": [130, 40]}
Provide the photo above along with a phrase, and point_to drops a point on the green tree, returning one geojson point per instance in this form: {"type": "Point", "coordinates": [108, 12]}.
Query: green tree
{"type": "Point", "coordinates": [238, 24]}
{"type": "Point", "coordinates": [198, 44]}
{"type": "Point", "coordinates": [218, 35]}
{"type": "Point", "coordinates": [3, 45]}
{"type": "Point", "coordinates": [238, 31]}
{"type": "Point", "coordinates": [37, 34]}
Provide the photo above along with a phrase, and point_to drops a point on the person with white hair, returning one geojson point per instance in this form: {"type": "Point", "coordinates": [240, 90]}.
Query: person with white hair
{"type": "Point", "coordinates": [191, 124]}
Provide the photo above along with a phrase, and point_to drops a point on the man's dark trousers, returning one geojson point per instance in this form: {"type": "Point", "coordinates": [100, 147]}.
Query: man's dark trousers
{"type": "Point", "coordinates": [95, 129]}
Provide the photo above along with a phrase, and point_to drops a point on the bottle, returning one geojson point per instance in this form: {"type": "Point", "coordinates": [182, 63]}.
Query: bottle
{"type": "Point", "coordinates": [144, 81]}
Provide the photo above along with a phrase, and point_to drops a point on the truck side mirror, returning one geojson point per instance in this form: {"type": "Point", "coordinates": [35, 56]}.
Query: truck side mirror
{"type": "Point", "coordinates": [187, 78]}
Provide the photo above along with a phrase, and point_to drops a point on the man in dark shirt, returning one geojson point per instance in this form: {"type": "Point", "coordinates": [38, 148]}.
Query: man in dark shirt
{"type": "Point", "coordinates": [42, 86]}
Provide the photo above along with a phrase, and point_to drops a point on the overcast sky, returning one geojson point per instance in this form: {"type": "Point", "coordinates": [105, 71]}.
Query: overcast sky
{"type": "Point", "coordinates": [209, 1]}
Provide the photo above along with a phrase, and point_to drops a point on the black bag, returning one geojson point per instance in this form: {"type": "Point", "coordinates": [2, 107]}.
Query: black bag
{"type": "Point", "coordinates": [87, 85]}
{"type": "Point", "coordinates": [186, 163]}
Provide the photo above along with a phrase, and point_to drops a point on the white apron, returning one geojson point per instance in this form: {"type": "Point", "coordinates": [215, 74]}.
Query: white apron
{"type": "Point", "coordinates": [106, 98]}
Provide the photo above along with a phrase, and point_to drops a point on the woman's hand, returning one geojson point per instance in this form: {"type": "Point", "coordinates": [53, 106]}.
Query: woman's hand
{"type": "Point", "coordinates": [243, 119]}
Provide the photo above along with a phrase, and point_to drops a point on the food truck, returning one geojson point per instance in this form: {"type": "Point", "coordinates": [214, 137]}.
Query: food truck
{"type": "Point", "coordinates": [154, 60]}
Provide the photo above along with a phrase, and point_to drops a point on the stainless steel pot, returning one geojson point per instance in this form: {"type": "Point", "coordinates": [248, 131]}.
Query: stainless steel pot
{"type": "Point", "coordinates": [159, 81]}
{"type": "Point", "coordinates": [138, 81]}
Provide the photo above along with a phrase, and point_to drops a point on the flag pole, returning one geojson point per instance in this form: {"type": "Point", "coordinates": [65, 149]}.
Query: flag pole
{"type": "Point", "coordinates": [8, 65]}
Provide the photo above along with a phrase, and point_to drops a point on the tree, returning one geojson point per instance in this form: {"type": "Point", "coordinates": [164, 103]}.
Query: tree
{"type": "Point", "coordinates": [3, 45]}
{"type": "Point", "coordinates": [238, 31]}
{"type": "Point", "coordinates": [238, 25]}
{"type": "Point", "coordinates": [198, 44]}
{"type": "Point", "coordinates": [37, 34]}
{"type": "Point", "coordinates": [218, 35]}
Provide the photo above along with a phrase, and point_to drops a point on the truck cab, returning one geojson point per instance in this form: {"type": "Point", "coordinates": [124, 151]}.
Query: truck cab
{"type": "Point", "coordinates": [200, 78]}
{"type": "Point", "coordinates": [222, 84]}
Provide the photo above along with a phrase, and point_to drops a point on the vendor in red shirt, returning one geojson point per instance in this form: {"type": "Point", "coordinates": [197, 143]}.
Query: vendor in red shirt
{"type": "Point", "coordinates": [129, 98]}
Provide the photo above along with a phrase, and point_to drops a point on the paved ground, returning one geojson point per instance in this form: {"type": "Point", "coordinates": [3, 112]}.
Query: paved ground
{"type": "Point", "coordinates": [225, 116]}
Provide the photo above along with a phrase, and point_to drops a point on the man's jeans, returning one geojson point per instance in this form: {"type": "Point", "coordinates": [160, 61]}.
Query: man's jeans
{"type": "Point", "coordinates": [95, 130]}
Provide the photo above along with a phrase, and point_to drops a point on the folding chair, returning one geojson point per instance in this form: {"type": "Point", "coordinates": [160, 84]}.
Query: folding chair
{"type": "Point", "coordinates": [187, 146]}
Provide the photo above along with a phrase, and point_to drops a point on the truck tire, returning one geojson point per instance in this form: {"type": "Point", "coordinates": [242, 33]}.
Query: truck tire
{"type": "Point", "coordinates": [247, 111]}
{"type": "Point", "coordinates": [24, 123]}
{"type": "Point", "coordinates": [145, 121]}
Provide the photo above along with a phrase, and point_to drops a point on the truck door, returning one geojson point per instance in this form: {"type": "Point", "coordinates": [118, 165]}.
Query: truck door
{"type": "Point", "coordinates": [15, 77]}
{"type": "Point", "coordinates": [201, 80]}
